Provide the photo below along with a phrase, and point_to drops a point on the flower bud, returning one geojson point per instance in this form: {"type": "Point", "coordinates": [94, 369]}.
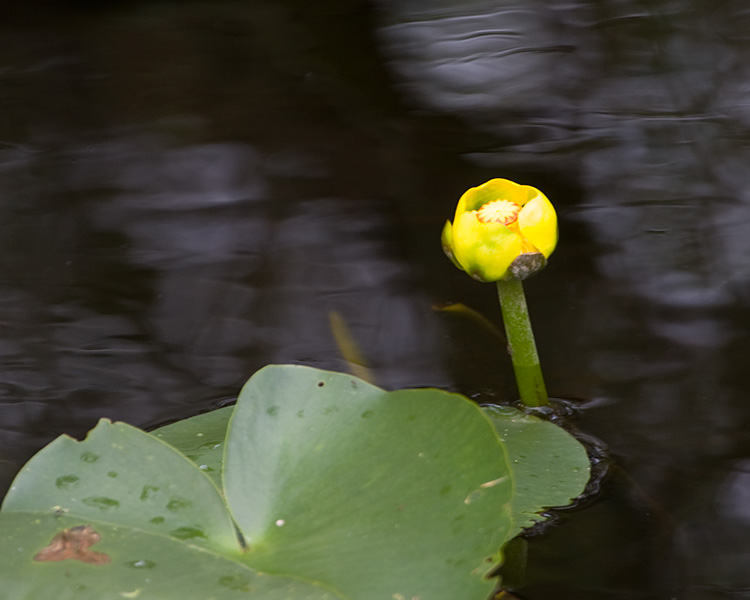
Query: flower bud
{"type": "Point", "coordinates": [501, 230]}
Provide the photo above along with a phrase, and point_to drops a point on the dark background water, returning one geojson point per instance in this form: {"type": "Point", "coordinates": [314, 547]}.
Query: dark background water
{"type": "Point", "coordinates": [187, 189]}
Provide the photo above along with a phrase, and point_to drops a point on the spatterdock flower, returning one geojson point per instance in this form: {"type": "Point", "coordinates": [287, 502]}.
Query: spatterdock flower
{"type": "Point", "coordinates": [501, 230]}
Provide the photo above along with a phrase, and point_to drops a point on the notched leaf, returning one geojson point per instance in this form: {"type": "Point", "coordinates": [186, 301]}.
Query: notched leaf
{"type": "Point", "coordinates": [73, 544]}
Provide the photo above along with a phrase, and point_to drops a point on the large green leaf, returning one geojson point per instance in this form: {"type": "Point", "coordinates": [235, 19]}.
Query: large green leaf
{"type": "Point", "coordinates": [159, 528]}
{"type": "Point", "coordinates": [380, 495]}
{"type": "Point", "coordinates": [201, 439]}
{"type": "Point", "coordinates": [121, 475]}
{"type": "Point", "coordinates": [550, 465]}
{"type": "Point", "coordinates": [141, 565]}
{"type": "Point", "coordinates": [364, 493]}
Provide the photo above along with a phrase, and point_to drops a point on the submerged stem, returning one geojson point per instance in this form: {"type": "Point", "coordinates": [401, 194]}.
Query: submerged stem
{"type": "Point", "coordinates": [521, 343]}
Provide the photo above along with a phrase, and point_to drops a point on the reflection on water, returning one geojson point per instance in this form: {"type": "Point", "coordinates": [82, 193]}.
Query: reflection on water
{"type": "Point", "coordinates": [635, 104]}
{"type": "Point", "coordinates": [645, 111]}
{"type": "Point", "coordinates": [174, 220]}
{"type": "Point", "coordinates": [187, 192]}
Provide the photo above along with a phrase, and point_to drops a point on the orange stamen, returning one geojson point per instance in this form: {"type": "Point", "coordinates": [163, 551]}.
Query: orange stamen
{"type": "Point", "coordinates": [498, 211]}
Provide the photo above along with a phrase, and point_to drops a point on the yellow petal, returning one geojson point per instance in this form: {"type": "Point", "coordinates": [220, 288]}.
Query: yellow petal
{"type": "Point", "coordinates": [447, 240]}
{"type": "Point", "coordinates": [484, 250]}
{"type": "Point", "coordinates": [538, 223]}
{"type": "Point", "coordinates": [494, 189]}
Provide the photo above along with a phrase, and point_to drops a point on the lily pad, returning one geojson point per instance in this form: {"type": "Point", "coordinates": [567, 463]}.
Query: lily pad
{"type": "Point", "coordinates": [121, 475]}
{"type": "Point", "coordinates": [201, 439]}
{"type": "Point", "coordinates": [339, 489]}
{"type": "Point", "coordinates": [138, 564]}
{"type": "Point", "coordinates": [123, 515]}
{"type": "Point", "coordinates": [379, 494]}
{"type": "Point", "coordinates": [550, 465]}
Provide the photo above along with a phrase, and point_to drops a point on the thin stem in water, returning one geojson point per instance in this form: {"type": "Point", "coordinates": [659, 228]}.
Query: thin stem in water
{"type": "Point", "coordinates": [521, 344]}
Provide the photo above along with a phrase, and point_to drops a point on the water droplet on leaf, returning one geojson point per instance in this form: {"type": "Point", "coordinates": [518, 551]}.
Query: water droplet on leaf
{"type": "Point", "coordinates": [66, 481]}
{"type": "Point", "coordinates": [186, 533]}
{"type": "Point", "coordinates": [176, 504]}
{"type": "Point", "coordinates": [148, 492]}
{"type": "Point", "coordinates": [89, 457]}
{"type": "Point", "coordinates": [101, 502]}
{"type": "Point", "coordinates": [143, 564]}
{"type": "Point", "coordinates": [235, 582]}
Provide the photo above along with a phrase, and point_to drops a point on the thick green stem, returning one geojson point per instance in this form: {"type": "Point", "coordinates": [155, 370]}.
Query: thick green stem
{"type": "Point", "coordinates": [521, 343]}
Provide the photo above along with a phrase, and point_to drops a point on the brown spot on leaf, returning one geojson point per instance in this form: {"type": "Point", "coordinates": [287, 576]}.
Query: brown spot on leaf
{"type": "Point", "coordinates": [73, 544]}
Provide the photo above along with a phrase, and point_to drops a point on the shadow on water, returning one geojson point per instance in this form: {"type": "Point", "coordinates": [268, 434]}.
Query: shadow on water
{"type": "Point", "coordinates": [187, 190]}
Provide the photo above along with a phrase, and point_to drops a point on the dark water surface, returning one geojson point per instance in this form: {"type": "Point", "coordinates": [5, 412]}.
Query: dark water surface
{"type": "Point", "coordinates": [187, 189]}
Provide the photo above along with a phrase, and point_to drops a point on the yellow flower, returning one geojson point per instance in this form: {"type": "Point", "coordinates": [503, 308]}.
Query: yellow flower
{"type": "Point", "coordinates": [501, 230]}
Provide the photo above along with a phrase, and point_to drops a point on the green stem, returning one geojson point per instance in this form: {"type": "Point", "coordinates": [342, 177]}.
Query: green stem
{"type": "Point", "coordinates": [521, 343]}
